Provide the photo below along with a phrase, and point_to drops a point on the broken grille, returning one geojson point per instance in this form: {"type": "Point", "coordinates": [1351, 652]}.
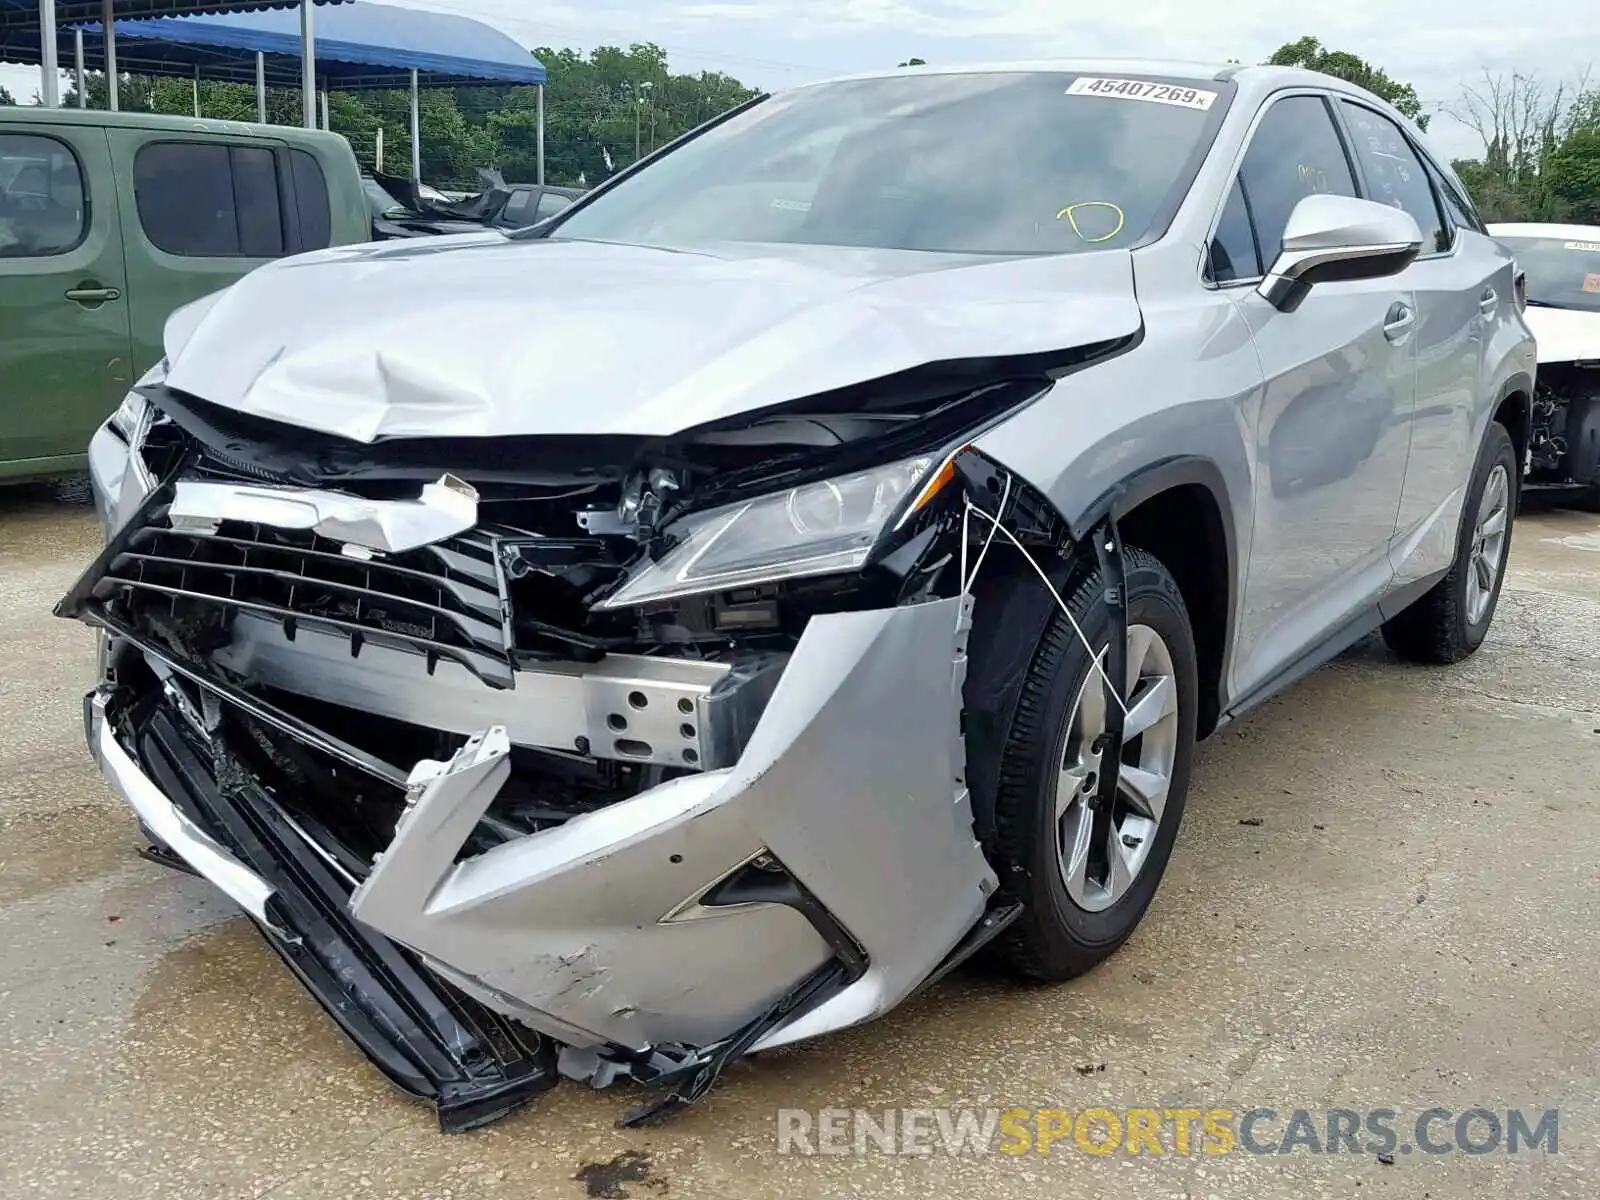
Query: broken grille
{"type": "Point", "coordinates": [444, 601]}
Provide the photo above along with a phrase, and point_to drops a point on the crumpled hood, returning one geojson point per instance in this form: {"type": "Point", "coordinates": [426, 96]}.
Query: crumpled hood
{"type": "Point", "coordinates": [1564, 334]}
{"type": "Point", "coordinates": [480, 335]}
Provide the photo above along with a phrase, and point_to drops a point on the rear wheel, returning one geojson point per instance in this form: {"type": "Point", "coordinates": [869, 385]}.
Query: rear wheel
{"type": "Point", "coordinates": [1449, 622]}
{"type": "Point", "coordinates": [1086, 874]}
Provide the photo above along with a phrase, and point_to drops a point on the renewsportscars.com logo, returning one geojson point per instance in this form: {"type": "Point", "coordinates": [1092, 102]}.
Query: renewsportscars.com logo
{"type": "Point", "coordinates": [1179, 1132]}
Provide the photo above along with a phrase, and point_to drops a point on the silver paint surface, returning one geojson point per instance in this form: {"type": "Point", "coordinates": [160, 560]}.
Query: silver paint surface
{"type": "Point", "coordinates": [848, 780]}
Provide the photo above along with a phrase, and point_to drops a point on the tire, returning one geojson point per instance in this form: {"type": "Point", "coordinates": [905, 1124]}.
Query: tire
{"type": "Point", "coordinates": [1058, 936]}
{"type": "Point", "coordinates": [1441, 627]}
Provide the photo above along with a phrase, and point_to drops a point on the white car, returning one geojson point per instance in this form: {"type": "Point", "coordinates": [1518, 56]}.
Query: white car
{"type": "Point", "coordinates": [1562, 264]}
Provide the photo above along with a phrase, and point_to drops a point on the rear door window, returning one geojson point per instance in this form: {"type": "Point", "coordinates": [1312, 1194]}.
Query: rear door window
{"type": "Point", "coordinates": [209, 199]}
{"type": "Point", "coordinates": [1394, 174]}
{"type": "Point", "coordinates": [184, 193]}
{"type": "Point", "coordinates": [43, 206]}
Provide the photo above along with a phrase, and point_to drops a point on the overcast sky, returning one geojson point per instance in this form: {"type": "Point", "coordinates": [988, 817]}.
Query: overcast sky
{"type": "Point", "coordinates": [1436, 45]}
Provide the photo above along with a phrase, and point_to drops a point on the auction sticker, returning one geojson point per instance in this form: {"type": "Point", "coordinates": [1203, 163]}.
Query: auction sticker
{"type": "Point", "coordinates": [1591, 283]}
{"type": "Point", "coordinates": [1179, 95]}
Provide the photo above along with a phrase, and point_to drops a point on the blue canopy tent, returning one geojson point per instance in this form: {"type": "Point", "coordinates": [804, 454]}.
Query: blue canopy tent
{"type": "Point", "coordinates": [358, 46]}
{"type": "Point", "coordinates": [28, 28]}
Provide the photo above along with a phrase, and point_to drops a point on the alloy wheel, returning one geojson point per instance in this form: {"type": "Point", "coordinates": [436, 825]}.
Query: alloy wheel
{"type": "Point", "coordinates": [1488, 551]}
{"type": "Point", "coordinates": [1100, 853]}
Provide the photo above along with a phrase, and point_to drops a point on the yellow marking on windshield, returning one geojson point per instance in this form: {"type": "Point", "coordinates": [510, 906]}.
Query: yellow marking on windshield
{"type": "Point", "coordinates": [1069, 214]}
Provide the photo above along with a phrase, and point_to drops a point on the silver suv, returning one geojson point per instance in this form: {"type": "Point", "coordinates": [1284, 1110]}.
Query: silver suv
{"type": "Point", "coordinates": [695, 623]}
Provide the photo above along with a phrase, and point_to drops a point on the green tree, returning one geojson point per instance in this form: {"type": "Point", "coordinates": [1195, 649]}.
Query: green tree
{"type": "Point", "coordinates": [914, 62]}
{"type": "Point", "coordinates": [1541, 148]}
{"type": "Point", "coordinates": [6, 97]}
{"type": "Point", "coordinates": [1309, 52]}
{"type": "Point", "coordinates": [598, 106]}
{"type": "Point", "coordinates": [1575, 175]}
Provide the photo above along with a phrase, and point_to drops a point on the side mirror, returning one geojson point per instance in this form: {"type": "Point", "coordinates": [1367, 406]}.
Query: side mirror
{"type": "Point", "coordinates": [1331, 238]}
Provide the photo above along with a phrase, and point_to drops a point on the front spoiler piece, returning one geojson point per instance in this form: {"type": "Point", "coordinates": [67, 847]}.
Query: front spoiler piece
{"type": "Point", "coordinates": [428, 1039]}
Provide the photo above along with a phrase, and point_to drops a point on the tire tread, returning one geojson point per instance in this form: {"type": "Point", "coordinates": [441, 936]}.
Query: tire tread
{"type": "Point", "coordinates": [1022, 949]}
{"type": "Point", "coordinates": [1433, 630]}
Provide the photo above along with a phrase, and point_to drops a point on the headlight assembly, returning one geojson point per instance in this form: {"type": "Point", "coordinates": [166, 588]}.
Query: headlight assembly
{"type": "Point", "coordinates": [816, 529]}
{"type": "Point", "coordinates": [129, 416]}
{"type": "Point", "coordinates": [132, 415]}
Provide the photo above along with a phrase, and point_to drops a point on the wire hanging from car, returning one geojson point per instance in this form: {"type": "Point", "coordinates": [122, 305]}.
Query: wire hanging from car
{"type": "Point", "coordinates": [966, 579]}
{"type": "Point", "coordinates": [1095, 659]}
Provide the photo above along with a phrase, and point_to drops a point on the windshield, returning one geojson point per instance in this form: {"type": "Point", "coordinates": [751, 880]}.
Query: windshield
{"type": "Point", "coordinates": [1002, 163]}
{"type": "Point", "coordinates": [1562, 272]}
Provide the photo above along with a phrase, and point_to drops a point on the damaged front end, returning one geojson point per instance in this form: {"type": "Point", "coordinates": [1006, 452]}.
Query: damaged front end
{"type": "Point", "coordinates": [587, 756]}
{"type": "Point", "coordinates": [1564, 436]}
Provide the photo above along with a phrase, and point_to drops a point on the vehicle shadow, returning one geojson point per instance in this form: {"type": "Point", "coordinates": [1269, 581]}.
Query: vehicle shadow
{"type": "Point", "coordinates": [46, 495]}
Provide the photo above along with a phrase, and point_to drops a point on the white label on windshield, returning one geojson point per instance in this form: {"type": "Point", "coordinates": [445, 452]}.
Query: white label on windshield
{"type": "Point", "coordinates": [1139, 89]}
{"type": "Point", "coordinates": [1587, 247]}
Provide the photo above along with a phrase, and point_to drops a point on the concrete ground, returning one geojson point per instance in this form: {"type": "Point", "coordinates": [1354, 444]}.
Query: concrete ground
{"type": "Point", "coordinates": [1385, 895]}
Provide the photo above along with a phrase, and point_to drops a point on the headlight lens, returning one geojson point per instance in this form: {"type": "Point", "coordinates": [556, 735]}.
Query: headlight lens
{"type": "Point", "coordinates": [129, 415]}
{"type": "Point", "coordinates": [815, 529]}
{"type": "Point", "coordinates": [129, 418]}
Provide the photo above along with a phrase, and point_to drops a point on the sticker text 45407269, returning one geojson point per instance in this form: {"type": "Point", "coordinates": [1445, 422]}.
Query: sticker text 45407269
{"type": "Point", "coordinates": [1180, 95]}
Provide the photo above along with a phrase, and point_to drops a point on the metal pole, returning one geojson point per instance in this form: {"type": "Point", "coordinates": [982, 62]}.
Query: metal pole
{"type": "Point", "coordinates": [377, 151]}
{"type": "Point", "coordinates": [541, 135]}
{"type": "Point", "coordinates": [108, 30]}
{"type": "Point", "coordinates": [638, 105]}
{"type": "Point", "coordinates": [261, 87]}
{"type": "Point", "coordinates": [49, 68]}
{"type": "Point", "coordinates": [197, 89]}
{"type": "Point", "coordinates": [308, 66]}
{"type": "Point", "coordinates": [325, 123]}
{"type": "Point", "coordinates": [416, 131]}
{"type": "Point", "coordinates": [77, 61]}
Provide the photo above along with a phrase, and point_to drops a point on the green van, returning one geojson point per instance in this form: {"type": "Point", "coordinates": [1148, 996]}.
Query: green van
{"type": "Point", "coordinates": [109, 222]}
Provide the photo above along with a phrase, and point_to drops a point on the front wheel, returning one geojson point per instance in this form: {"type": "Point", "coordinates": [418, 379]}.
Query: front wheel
{"type": "Point", "coordinates": [1086, 873]}
{"type": "Point", "coordinates": [1450, 621]}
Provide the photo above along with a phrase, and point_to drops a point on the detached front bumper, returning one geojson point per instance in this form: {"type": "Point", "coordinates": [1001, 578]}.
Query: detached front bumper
{"type": "Point", "coordinates": [660, 931]}
{"type": "Point", "coordinates": [429, 1040]}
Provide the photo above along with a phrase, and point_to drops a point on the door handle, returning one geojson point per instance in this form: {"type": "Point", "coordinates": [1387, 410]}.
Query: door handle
{"type": "Point", "coordinates": [92, 295]}
{"type": "Point", "coordinates": [1488, 302]}
{"type": "Point", "coordinates": [1398, 324]}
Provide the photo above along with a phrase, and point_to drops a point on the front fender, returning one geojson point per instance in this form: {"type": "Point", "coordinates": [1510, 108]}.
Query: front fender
{"type": "Point", "coordinates": [1180, 408]}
